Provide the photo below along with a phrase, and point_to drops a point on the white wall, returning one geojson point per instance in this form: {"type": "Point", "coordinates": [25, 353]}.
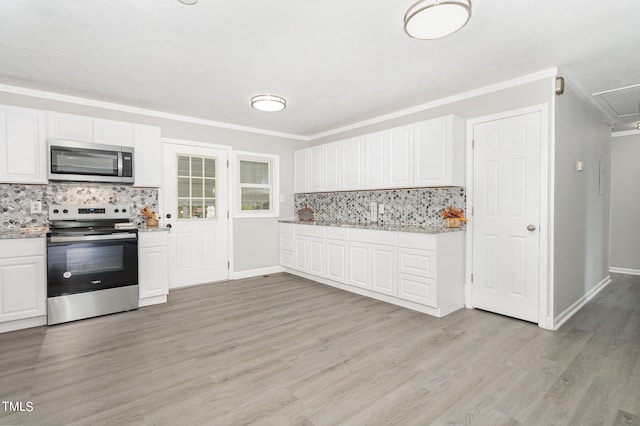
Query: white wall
{"type": "Point", "coordinates": [625, 202]}
{"type": "Point", "coordinates": [581, 218]}
{"type": "Point", "coordinates": [255, 241]}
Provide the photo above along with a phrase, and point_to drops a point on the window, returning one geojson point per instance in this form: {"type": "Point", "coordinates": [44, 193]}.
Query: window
{"type": "Point", "coordinates": [257, 176]}
{"type": "Point", "coordinates": [197, 187]}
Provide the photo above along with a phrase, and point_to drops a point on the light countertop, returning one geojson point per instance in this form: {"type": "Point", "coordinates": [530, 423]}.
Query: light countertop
{"type": "Point", "coordinates": [379, 226]}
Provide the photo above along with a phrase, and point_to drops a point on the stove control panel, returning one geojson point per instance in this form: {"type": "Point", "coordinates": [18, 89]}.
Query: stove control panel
{"type": "Point", "coordinates": [83, 212]}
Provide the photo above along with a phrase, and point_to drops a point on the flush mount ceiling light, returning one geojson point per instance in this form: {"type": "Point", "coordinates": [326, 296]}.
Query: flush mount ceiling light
{"type": "Point", "coordinates": [189, 2]}
{"type": "Point", "coordinates": [269, 103]}
{"type": "Point", "coordinates": [431, 19]}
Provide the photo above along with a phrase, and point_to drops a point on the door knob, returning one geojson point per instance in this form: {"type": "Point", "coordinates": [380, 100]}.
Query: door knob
{"type": "Point", "coordinates": [531, 228]}
{"type": "Point", "coordinates": [168, 225]}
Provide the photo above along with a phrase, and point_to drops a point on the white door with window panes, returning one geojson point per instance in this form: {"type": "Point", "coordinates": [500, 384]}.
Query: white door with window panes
{"type": "Point", "coordinates": [195, 206]}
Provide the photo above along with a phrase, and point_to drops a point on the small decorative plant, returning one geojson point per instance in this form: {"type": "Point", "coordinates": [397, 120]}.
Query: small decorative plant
{"type": "Point", "coordinates": [453, 216]}
{"type": "Point", "coordinates": [150, 216]}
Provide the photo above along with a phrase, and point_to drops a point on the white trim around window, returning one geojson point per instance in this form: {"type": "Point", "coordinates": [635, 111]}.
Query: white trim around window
{"type": "Point", "coordinates": [272, 185]}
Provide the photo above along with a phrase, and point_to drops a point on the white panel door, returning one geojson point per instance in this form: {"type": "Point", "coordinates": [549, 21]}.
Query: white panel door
{"type": "Point", "coordinates": [383, 270]}
{"type": "Point", "coordinates": [195, 197]}
{"type": "Point", "coordinates": [336, 260]}
{"type": "Point", "coordinates": [301, 256]}
{"type": "Point", "coordinates": [432, 147]}
{"type": "Point", "coordinates": [399, 157]}
{"type": "Point", "coordinates": [316, 168]}
{"type": "Point", "coordinates": [360, 264]}
{"type": "Point", "coordinates": [506, 240]}
{"type": "Point", "coordinates": [316, 256]}
{"type": "Point", "coordinates": [23, 146]}
{"type": "Point", "coordinates": [23, 291]}
{"type": "Point", "coordinates": [352, 164]}
{"type": "Point", "coordinates": [375, 172]}
{"type": "Point", "coordinates": [332, 167]}
{"type": "Point", "coordinates": [301, 171]}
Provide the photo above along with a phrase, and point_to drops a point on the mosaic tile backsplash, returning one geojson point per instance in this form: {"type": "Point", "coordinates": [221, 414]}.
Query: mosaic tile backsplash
{"type": "Point", "coordinates": [15, 200]}
{"type": "Point", "coordinates": [415, 206]}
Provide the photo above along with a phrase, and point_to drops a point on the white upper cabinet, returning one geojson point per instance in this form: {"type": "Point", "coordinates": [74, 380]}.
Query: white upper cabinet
{"type": "Point", "coordinates": [439, 157]}
{"type": "Point", "coordinates": [352, 170]}
{"type": "Point", "coordinates": [399, 157]}
{"type": "Point", "coordinates": [375, 175]}
{"type": "Point", "coordinates": [23, 145]}
{"type": "Point", "coordinates": [316, 169]}
{"type": "Point", "coordinates": [70, 127]}
{"type": "Point", "coordinates": [147, 167]}
{"type": "Point", "coordinates": [426, 154]}
{"type": "Point", "coordinates": [111, 132]}
{"type": "Point", "coordinates": [332, 166]}
{"type": "Point", "coordinates": [301, 171]}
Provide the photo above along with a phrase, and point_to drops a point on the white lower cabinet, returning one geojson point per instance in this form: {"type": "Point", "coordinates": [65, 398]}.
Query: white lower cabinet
{"type": "Point", "coordinates": [23, 283]}
{"type": "Point", "coordinates": [153, 267]}
{"type": "Point", "coordinates": [424, 272]}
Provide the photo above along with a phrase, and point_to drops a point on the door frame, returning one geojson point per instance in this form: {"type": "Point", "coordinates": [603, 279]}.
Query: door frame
{"type": "Point", "coordinates": [545, 291]}
{"type": "Point", "coordinates": [229, 193]}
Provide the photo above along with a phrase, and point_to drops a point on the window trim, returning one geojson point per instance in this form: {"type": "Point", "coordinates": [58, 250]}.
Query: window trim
{"type": "Point", "coordinates": [274, 175]}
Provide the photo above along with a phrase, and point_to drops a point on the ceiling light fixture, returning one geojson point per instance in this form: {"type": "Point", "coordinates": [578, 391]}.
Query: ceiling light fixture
{"type": "Point", "coordinates": [189, 2]}
{"type": "Point", "coordinates": [269, 103]}
{"type": "Point", "coordinates": [431, 19]}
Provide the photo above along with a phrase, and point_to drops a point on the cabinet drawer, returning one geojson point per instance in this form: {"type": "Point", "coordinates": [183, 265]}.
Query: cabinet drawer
{"type": "Point", "coordinates": [286, 259]}
{"type": "Point", "coordinates": [20, 247]}
{"type": "Point", "coordinates": [287, 228]}
{"type": "Point", "coordinates": [336, 233]}
{"type": "Point", "coordinates": [153, 239]}
{"type": "Point", "coordinates": [387, 238]}
{"type": "Point", "coordinates": [417, 262]}
{"type": "Point", "coordinates": [417, 241]}
{"type": "Point", "coordinates": [418, 289]}
{"type": "Point", "coordinates": [310, 230]}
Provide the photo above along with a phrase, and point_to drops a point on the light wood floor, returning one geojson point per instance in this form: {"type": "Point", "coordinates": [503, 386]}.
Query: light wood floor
{"type": "Point", "coordinates": [282, 350]}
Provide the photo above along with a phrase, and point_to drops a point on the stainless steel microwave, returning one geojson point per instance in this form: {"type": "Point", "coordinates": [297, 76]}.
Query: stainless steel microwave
{"type": "Point", "coordinates": [89, 162]}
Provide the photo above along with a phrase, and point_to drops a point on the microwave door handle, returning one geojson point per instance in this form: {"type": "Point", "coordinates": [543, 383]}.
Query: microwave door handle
{"type": "Point", "coordinates": [120, 163]}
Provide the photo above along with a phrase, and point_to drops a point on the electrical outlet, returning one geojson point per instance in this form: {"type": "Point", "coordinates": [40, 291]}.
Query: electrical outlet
{"type": "Point", "coordinates": [380, 208]}
{"type": "Point", "coordinates": [36, 207]}
{"type": "Point", "coordinates": [283, 198]}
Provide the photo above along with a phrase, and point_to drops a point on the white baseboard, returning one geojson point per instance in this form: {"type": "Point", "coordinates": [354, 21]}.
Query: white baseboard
{"type": "Point", "coordinates": [24, 323]}
{"type": "Point", "coordinates": [257, 272]}
{"type": "Point", "coordinates": [629, 271]}
{"type": "Point", "coordinates": [571, 310]}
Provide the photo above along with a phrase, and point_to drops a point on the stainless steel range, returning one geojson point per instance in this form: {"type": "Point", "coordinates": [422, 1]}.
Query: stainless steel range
{"type": "Point", "coordinates": [92, 267]}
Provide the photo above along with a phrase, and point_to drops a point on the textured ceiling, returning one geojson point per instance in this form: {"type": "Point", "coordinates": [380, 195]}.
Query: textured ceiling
{"type": "Point", "coordinates": [336, 62]}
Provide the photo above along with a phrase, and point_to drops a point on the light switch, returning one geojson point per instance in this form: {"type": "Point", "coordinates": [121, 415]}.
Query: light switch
{"type": "Point", "coordinates": [283, 198]}
{"type": "Point", "coordinates": [36, 207]}
{"type": "Point", "coordinates": [579, 166]}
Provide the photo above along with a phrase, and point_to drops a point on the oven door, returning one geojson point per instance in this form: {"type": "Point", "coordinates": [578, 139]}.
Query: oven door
{"type": "Point", "coordinates": [82, 263]}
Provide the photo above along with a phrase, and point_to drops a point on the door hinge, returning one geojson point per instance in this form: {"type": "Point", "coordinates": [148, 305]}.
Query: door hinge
{"type": "Point", "coordinates": [227, 164]}
{"type": "Point", "coordinates": [473, 144]}
{"type": "Point", "coordinates": [228, 265]}
{"type": "Point", "coordinates": [471, 277]}
{"type": "Point", "coordinates": [473, 210]}
{"type": "Point", "coordinates": [227, 214]}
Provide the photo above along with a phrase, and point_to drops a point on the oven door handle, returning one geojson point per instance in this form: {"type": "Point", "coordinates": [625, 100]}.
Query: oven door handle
{"type": "Point", "coordinates": [70, 239]}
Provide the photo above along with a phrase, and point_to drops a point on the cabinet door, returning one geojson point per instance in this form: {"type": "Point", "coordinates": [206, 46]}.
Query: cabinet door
{"type": "Point", "coordinates": [23, 145]}
{"type": "Point", "coordinates": [153, 276]}
{"type": "Point", "coordinates": [400, 157]}
{"type": "Point", "coordinates": [147, 156]}
{"type": "Point", "coordinates": [360, 264]}
{"type": "Point", "coordinates": [316, 256]}
{"type": "Point", "coordinates": [301, 256]}
{"type": "Point", "coordinates": [301, 171]}
{"type": "Point", "coordinates": [316, 169]}
{"type": "Point", "coordinates": [352, 171]}
{"type": "Point", "coordinates": [23, 292]}
{"type": "Point", "coordinates": [418, 289]}
{"type": "Point", "coordinates": [375, 172]}
{"type": "Point", "coordinates": [432, 149]}
{"type": "Point", "coordinates": [336, 266]}
{"type": "Point", "coordinates": [111, 132]}
{"type": "Point", "coordinates": [383, 270]}
{"type": "Point", "coordinates": [332, 163]}
{"type": "Point", "coordinates": [70, 127]}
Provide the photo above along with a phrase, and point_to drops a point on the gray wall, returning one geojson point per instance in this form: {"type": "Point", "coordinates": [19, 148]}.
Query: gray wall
{"type": "Point", "coordinates": [255, 241]}
{"type": "Point", "coordinates": [625, 202]}
{"type": "Point", "coordinates": [581, 221]}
